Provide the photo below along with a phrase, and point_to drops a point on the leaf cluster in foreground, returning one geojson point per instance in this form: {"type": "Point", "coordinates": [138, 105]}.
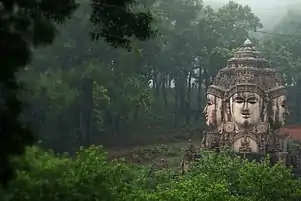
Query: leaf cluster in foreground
{"type": "Point", "coordinates": [90, 176]}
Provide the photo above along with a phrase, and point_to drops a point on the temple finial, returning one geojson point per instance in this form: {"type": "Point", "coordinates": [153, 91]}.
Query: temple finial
{"type": "Point", "coordinates": [248, 42]}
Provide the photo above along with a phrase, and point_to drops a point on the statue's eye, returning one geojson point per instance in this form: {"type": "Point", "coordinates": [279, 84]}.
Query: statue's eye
{"type": "Point", "coordinates": [239, 100]}
{"type": "Point", "coordinates": [283, 105]}
{"type": "Point", "coordinates": [209, 102]}
{"type": "Point", "coordinates": [252, 101]}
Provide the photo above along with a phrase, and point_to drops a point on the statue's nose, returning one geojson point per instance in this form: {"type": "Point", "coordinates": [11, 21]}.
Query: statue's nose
{"type": "Point", "coordinates": [205, 109]}
{"type": "Point", "coordinates": [245, 108]}
{"type": "Point", "coordinates": [287, 112]}
{"type": "Point", "coordinates": [245, 111]}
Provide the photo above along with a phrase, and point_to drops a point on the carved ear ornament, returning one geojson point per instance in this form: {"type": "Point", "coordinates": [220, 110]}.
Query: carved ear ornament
{"type": "Point", "coordinates": [262, 128]}
{"type": "Point", "coordinates": [229, 127]}
{"type": "Point", "coordinates": [277, 92]}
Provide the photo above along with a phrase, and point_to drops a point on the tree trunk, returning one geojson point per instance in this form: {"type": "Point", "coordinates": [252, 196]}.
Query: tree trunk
{"type": "Point", "coordinates": [164, 84]}
{"type": "Point", "coordinates": [176, 106]}
{"type": "Point", "coordinates": [156, 82]}
{"type": "Point", "coordinates": [136, 112]}
{"type": "Point", "coordinates": [207, 79]}
{"type": "Point", "coordinates": [117, 125]}
{"type": "Point", "coordinates": [199, 95]}
{"type": "Point", "coordinates": [86, 111]}
{"type": "Point", "coordinates": [182, 90]}
{"type": "Point", "coordinates": [188, 102]}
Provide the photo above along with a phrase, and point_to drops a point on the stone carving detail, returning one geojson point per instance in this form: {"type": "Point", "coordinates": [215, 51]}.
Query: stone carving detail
{"type": "Point", "coordinates": [245, 145]}
{"type": "Point", "coordinates": [262, 128]}
{"type": "Point", "coordinates": [229, 127]}
{"type": "Point", "coordinates": [279, 110]}
{"type": "Point", "coordinates": [246, 104]}
{"type": "Point", "coordinates": [213, 110]}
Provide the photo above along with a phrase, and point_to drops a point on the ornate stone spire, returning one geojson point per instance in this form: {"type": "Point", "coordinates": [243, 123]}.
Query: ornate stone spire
{"type": "Point", "coordinates": [248, 69]}
{"type": "Point", "coordinates": [248, 56]}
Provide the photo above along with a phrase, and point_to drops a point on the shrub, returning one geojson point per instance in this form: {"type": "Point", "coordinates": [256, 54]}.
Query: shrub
{"type": "Point", "coordinates": [86, 177]}
{"type": "Point", "coordinates": [222, 177]}
{"type": "Point", "coordinates": [90, 176]}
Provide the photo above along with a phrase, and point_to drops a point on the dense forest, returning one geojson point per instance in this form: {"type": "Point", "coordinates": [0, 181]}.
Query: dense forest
{"type": "Point", "coordinates": [81, 92]}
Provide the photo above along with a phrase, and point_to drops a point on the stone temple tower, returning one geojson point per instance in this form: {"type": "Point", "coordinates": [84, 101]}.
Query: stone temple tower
{"type": "Point", "coordinates": [246, 106]}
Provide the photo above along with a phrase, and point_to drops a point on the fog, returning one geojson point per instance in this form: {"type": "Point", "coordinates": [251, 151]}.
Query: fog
{"type": "Point", "coordinates": [269, 11]}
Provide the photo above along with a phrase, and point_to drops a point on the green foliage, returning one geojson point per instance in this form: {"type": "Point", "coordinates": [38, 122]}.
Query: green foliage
{"type": "Point", "coordinates": [251, 180]}
{"type": "Point", "coordinates": [193, 44]}
{"type": "Point", "coordinates": [87, 176]}
{"type": "Point", "coordinates": [283, 50]}
{"type": "Point", "coordinates": [30, 24]}
{"type": "Point", "coordinates": [90, 176]}
{"type": "Point", "coordinates": [82, 92]}
{"type": "Point", "coordinates": [115, 22]}
{"type": "Point", "coordinates": [295, 147]}
{"type": "Point", "coordinates": [225, 177]}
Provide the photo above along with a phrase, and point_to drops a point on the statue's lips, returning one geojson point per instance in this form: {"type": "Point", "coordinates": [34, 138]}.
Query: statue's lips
{"type": "Point", "coordinates": [245, 116]}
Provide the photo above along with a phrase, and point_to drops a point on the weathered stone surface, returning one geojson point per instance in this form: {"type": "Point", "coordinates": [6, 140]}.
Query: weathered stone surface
{"type": "Point", "coordinates": [246, 105]}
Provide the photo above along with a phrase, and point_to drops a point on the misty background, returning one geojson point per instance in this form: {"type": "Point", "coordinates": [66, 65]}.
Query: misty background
{"type": "Point", "coordinates": [77, 93]}
{"type": "Point", "coordinates": [269, 11]}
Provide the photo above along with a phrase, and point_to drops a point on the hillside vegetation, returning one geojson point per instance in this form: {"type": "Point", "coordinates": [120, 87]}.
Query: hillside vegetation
{"type": "Point", "coordinates": [89, 176]}
{"type": "Point", "coordinates": [85, 75]}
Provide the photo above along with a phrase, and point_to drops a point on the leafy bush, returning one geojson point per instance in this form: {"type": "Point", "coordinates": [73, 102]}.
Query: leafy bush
{"type": "Point", "coordinates": [225, 177]}
{"type": "Point", "coordinates": [90, 176]}
{"type": "Point", "coordinates": [86, 177]}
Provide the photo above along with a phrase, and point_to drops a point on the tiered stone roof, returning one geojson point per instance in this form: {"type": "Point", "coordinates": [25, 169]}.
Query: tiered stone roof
{"type": "Point", "coordinates": [246, 71]}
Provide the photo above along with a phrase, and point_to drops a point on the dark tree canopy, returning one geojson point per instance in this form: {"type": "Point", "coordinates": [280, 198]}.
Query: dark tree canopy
{"type": "Point", "coordinates": [114, 22]}
{"type": "Point", "coordinates": [26, 24]}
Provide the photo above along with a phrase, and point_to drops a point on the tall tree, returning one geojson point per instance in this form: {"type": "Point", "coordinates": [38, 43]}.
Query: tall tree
{"type": "Point", "coordinates": [29, 24]}
{"type": "Point", "coordinates": [283, 50]}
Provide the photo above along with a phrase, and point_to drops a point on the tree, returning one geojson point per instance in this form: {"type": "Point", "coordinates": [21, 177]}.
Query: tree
{"type": "Point", "coordinates": [29, 24]}
{"type": "Point", "coordinates": [89, 175]}
{"type": "Point", "coordinates": [283, 49]}
{"type": "Point", "coordinates": [178, 64]}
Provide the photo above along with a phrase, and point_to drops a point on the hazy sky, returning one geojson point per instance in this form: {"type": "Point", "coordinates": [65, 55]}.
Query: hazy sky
{"type": "Point", "coordinates": [269, 11]}
{"type": "Point", "coordinates": [262, 6]}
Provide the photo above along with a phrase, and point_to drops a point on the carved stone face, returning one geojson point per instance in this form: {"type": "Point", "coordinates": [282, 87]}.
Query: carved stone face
{"type": "Point", "coordinates": [280, 110]}
{"type": "Point", "coordinates": [212, 111]}
{"type": "Point", "coordinates": [245, 108]}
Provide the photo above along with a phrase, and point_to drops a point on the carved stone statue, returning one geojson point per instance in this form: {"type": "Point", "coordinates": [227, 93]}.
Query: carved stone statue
{"type": "Point", "coordinates": [278, 105]}
{"type": "Point", "coordinates": [246, 104]}
{"type": "Point", "coordinates": [213, 111]}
